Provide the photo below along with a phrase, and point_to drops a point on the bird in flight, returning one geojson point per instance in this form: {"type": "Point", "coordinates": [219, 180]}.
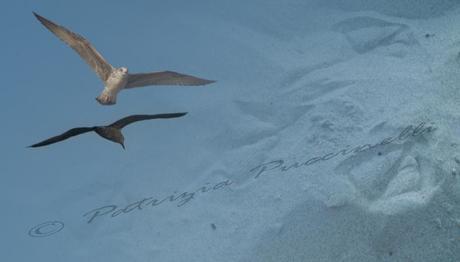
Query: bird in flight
{"type": "Point", "coordinates": [116, 79]}
{"type": "Point", "coordinates": [111, 132]}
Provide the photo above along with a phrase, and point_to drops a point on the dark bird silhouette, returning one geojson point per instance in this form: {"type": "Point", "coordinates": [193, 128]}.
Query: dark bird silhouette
{"type": "Point", "coordinates": [111, 132]}
{"type": "Point", "coordinates": [116, 79]}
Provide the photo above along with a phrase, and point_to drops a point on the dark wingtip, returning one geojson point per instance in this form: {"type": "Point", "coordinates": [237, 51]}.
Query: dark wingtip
{"type": "Point", "coordinates": [39, 17]}
{"type": "Point", "coordinates": [205, 82]}
{"type": "Point", "coordinates": [42, 20]}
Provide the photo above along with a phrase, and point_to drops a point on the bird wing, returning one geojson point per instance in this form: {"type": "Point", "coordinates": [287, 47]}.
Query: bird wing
{"type": "Point", "coordinates": [164, 78]}
{"type": "Point", "coordinates": [72, 132]}
{"type": "Point", "coordinates": [82, 46]}
{"type": "Point", "coordinates": [133, 118]}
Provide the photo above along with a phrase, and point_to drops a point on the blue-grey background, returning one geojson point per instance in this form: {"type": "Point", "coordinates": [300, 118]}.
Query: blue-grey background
{"type": "Point", "coordinates": [48, 89]}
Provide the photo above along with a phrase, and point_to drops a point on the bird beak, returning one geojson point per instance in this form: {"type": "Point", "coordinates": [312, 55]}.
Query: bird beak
{"type": "Point", "coordinates": [123, 145]}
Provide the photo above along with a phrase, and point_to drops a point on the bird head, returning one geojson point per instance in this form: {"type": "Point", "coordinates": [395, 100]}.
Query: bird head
{"type": "Point", "coordinates": [124, 70]}
{"type": "Point", "coordinates": [118, 137]}
{"type": "Point", "coordinates": [121, 141]}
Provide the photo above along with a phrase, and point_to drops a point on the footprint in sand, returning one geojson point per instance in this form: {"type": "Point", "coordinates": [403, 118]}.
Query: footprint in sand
{"type": "Point", "coordinates": [413, 186]}
{"type": "Point", "coordinates": [262, 120]}
{"type": "Point", "coordinates": [394, 183]}
{"type": "Point", "coordinates": [312, 91]}
{"type": "Point", "coordinates": [278, 114]}
{"type": "Point", "coordinates": [412, 9]}
{"type": "Point", "coordinates": [366, 33]}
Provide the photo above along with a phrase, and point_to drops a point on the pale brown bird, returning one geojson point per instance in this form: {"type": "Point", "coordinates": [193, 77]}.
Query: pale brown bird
{"type": "Point", "coordinates": [116, 79]}
{"type": "Point", "coordinates": [111, 132]}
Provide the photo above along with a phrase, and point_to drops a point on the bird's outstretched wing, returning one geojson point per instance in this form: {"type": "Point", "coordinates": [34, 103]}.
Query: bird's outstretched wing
{"type": "Point", "coordinates": [72, 132]}
{"type": "Point", "coordinates": [164, 78]}
{"type": "Point", "coordinates": [82, 46]}
{"type": "Point", "coordinates": [130, 119]}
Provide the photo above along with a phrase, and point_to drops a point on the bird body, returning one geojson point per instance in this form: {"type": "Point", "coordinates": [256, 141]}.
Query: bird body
{"type": "Point", "coordinates": [116, 79]}
{"type": "Point", "coordinates": [110, 132]}
{"type": "Point", "coordinates": [115, 83]}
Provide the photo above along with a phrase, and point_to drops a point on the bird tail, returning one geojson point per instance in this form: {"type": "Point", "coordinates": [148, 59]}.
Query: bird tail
{"type": "Point", "coordinates": [107, 98]}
